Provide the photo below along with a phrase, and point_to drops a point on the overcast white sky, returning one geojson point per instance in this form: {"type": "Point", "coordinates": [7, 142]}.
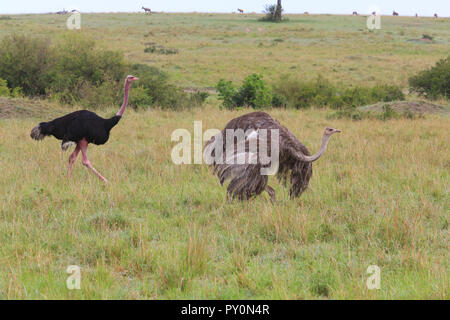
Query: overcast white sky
{"type": "Point", "coordinates": [404, 7]}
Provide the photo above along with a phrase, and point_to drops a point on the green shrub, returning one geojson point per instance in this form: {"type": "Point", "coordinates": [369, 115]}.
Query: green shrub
{"type": "Point", "coordinates": [25, 63]}
{"type": "Point", "coordinates": [140, 98]}
{"type": "Point", "coordinates": [320, 92]}
{"type": "Point", "coordinates": [154, 89]}
{"type": "Point", "coordinates": [434, 82]}
{"type": "Point", "coordinates": [295, 93]}
{"type": "Point", "coordinates": [278, 100]}
{"type": "Point", "coordinates": [84, 73]}
{"type": "Point", "coordinates": [74, 70]}
{"type": "Point", "coordinates": [301, 94]}
{"type": "Point", "coordinates": [4, 90]}
{"type": "Point", "coordinates": [359, 96]}
{"type": "Point", "coordinates": [228, 94]}
{"type": "Point", "coordinates": [17, 92]}
{"type": "Point", "coordinates": [199, 97]}
{"type": "Point", "coordinates": [254, 93]}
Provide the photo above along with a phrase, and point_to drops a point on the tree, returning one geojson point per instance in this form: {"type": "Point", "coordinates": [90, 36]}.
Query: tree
{"type": "Point", "coordinates": [279, 9]}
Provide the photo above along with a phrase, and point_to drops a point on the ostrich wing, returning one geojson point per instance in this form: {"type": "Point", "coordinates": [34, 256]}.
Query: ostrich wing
{"type": "Point", "coordinates": [246, 179]}
{"type": "Point", "coordinates": [291, 168]}
{"type": "Point", "coordinates": [240, 166]}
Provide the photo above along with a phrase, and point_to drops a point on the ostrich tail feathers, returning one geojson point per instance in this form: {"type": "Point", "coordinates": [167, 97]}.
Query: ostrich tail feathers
{"type": "Point", "coordinates": [36, 133]}
{"type": "Point", "coordinates": [66, 144]}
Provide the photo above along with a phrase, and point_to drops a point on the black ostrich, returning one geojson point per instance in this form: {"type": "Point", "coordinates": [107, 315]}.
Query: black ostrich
{"type": "Point", "coordinates": [81, 128]}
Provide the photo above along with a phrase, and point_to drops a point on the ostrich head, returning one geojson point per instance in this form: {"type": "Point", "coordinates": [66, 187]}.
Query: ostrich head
{"type": "Point", "coordinates": [131, 79]}
{"type": "Point", "coordinates": [329, 131]}
{"type": "Point", "coordinates": [326, 137]}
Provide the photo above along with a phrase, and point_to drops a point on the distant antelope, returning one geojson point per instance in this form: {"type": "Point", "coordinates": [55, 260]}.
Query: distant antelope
{"type": "Point", "coordinates": [355, 13]}
{"type": "Point", "coordinates": [306, 12]}
{"type": "Point", "coordinates": [435, 15]}
{"type": "Point", "coordinates": [240, 10]}
{"type": "Point", "coordinates": [147, 10]}
{"type": "Point", "coordinates": [394, 13]}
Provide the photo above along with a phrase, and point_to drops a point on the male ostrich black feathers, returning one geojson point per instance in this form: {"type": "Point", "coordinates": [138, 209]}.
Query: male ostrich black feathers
{"type": "Point", "coordinates": [81, 128]}
{"type": "Point", "coordinates": [294, 165]}
{"type": "Point", "coordinates": [75, 126]}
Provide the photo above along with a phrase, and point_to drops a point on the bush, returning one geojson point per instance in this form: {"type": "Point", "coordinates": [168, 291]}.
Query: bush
{"type": "Point", "coordinates": [295, 93]}
{"type": "Point", "coordinates": [320, 92]}
{"type": "Point", "coordinates": [25, 63]}
{"type": "Point", "coordinates": [434, 82]}
{"type": "Point", "coordinates": [84, 73]}
{"type": "Point", "coordinates": [301, 94]}
{"type": "Point", "coordinates": [154, 89]}
{"type": "Point", "coordinates": [278, 100]}
{"type": "Point", "coordinates": [75, 70]}
{"type": "Point", "coordinates": [228, 94]}
{"type": "Point", "coordinates": [359, 96]}
{"type": "Point", "coordinates": [6, 92]}
{"type": "Point", "coordinates": [254, 93]}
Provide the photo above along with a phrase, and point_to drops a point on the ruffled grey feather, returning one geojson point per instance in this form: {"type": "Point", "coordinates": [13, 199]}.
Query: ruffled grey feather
{"type": "Point", "coordinates": [245, 178]}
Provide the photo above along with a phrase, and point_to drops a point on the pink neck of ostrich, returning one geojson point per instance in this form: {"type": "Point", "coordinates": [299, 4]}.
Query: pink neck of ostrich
{"type": "Point", "coordinates": [125, 99]}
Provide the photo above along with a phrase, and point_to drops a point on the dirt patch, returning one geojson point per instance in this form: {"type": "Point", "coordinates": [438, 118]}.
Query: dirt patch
{"type": "Point", "coordinates": [24, 108]}
{"type": "Point", "coordinates": [419, 107]}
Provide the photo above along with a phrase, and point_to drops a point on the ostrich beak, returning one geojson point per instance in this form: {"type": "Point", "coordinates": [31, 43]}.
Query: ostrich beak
{"type": "Point", "coordinates": [338, 131]}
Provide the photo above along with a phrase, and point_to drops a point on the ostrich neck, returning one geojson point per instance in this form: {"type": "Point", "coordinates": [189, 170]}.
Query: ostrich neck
{"type": "Point", "coordinates": [323, 147]}
{"type": "Point", "coordinates": [125, 99]}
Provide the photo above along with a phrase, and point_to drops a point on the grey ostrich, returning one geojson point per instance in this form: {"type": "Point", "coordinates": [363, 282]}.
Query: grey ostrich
{"type": "Point", "coordinates": [294, 166]}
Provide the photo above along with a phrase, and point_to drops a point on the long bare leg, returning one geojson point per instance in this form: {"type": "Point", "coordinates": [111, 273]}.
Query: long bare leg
{"type": "Point", "coordinates": [271, 193]}
{"type": "Point", "coordinates": [83, 146]}
{"type": "Point", "coordinates": [72, 159]}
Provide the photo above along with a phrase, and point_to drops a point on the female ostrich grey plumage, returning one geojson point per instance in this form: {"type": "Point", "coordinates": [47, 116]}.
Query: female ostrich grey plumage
{"type": "Point", "coordinates": [294, 166]}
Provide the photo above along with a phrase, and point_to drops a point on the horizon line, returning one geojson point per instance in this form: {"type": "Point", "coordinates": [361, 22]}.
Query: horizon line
{"type": "Point", "coordinates": [214, 12]}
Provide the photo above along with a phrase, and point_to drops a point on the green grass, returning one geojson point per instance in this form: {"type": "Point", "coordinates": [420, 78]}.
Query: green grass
{"type": "Point", "coordinates": [214, 46]}
{"type": "Point", "coordinates": [379, 196]}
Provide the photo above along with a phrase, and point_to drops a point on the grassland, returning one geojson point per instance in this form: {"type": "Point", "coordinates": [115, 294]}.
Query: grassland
{"type": "Point", "coordinates": [215, 46]}
{"type": "Point", "coordinates": [379, 196]}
